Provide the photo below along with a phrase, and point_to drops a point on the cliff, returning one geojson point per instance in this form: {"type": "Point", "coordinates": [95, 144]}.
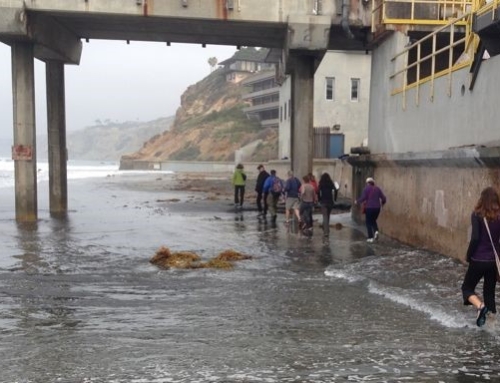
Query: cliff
{"type": "Point", "coordinates": [107, 141]}
{"type": "Point", "coordinates": [209, 126]}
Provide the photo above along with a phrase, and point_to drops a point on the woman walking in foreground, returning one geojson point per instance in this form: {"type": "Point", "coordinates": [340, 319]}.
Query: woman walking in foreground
{"type": "Point", "coordinates": [485, 234]}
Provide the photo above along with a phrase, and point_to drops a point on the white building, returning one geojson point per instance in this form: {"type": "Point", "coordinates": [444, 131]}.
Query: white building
{"type": "Point", "coordinates": [341, 102]}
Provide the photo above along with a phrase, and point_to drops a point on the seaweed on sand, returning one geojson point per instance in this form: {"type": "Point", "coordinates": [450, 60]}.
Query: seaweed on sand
{"type": "Point", "coordinates": [167, 259]}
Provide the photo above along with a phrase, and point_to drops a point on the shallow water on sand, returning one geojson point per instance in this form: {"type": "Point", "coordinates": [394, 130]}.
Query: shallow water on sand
{"type": "Point", "coordinates": [81, 303]}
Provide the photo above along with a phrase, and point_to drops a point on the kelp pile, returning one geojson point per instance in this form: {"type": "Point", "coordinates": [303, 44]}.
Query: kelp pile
{"type": "Point", "coordinates": [166, 259]}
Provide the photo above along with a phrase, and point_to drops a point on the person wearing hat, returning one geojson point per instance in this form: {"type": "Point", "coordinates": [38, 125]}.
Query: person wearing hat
{"type": "Point", "coordinates": [259, 189]}
{"type": "Point", "coordinates": [373, 199]}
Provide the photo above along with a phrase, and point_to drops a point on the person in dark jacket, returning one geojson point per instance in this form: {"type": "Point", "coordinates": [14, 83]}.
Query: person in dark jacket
{"type": "Point", "coordinates": [375, 199]}
{"type": "Point", "coordinates": [259, 189]}
{"type": "Point", "coordinates": [325, 198]}
{"type": "Point", "coordinates": [481, 255]}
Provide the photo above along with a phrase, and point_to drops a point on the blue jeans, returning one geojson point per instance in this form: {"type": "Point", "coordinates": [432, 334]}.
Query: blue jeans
{"type": "Point", "coordinates": [306, 213]}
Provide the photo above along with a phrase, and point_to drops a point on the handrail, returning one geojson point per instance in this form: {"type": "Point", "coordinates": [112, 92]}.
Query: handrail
{"type": "Point", "coordinates": [431, 34]}
{"type": "Point", "coordinates": [415, 15]}
{"type": "Point", "coordinates": [449, 16]}
{"type": "Point", "coordinates": [489, 6]}
{"type": "Point", "coordinates": [467, 40]}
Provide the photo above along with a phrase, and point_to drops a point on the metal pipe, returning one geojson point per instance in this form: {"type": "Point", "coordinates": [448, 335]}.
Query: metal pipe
{"type": "Point", "coordinates": [345, 19]}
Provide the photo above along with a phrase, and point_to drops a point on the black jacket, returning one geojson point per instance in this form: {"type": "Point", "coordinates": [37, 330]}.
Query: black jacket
{"type": "Point", "coordinates": [261, 178]}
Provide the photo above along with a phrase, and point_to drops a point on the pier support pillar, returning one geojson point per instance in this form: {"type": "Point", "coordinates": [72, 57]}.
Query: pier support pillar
{"type": "Point", "coordinates": [301, 140]}
{"type": "Point", "coordinates": [56, 137]}
{"type": "Point", "coordinates": [24, 149]}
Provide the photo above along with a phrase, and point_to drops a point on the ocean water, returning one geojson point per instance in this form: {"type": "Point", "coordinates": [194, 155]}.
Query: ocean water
{"type": "Point", "coordinates": [75, 170]}
{"type": "Point", "coordinates": [79, 301]}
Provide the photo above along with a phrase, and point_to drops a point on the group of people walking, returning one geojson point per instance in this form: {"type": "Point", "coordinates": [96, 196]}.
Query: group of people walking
{"type": "Point", "coordinates": [301, 197]}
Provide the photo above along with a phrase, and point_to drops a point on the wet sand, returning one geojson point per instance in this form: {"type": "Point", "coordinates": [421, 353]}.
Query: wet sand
{"type": "Point", "coordinates": [80, 301]}
{"type": "Point", "coordinates": [198, 191]}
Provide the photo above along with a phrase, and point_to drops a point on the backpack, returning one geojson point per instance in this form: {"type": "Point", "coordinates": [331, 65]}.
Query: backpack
{"type": "Point", "coordinates": [277, 186]}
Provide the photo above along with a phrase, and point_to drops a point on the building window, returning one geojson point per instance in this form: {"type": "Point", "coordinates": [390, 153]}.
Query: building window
{"type": "Point", "coordinates": [330, 88]}
{"type": "Point", "coordinates": [285, 114]}
{"type": "Point", "coordinates": [354, 89]}
{"type": "Point", "coordinates": [281, 113]}
{"type": "Point", "coordinates": [289, 109]}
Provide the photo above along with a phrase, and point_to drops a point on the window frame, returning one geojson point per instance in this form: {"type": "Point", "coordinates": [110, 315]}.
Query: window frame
{"type": "Point", "coordinates": [330, 88]}
{"type": "Point", "coordinates": [355, 89]}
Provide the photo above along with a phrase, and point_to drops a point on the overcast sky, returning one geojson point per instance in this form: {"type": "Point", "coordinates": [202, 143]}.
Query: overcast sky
{"type": "Point", "coordinates": [117, 81]}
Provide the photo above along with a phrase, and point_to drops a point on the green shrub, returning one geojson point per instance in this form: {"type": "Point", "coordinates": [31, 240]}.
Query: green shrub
{"type": "Point", "coordinates": [188, 153]}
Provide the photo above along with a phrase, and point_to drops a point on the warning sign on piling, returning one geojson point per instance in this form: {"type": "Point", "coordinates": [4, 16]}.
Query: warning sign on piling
{"type": "Point", "coordinates": [22, 152]}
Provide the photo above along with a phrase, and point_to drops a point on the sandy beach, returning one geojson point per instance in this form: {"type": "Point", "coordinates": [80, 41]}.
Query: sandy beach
{"type": "Point", "coordinates": [197, 191]}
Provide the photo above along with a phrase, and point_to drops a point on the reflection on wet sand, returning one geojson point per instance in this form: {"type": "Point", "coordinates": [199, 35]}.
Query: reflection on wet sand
{"type": "Point", "coordinates": [81, 302]}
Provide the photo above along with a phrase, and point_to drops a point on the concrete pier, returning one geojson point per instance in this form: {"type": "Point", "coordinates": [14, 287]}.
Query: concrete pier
{"type": "Point", "coordinates": [56, 133]}
{"type": "Point", "coordinates": [24, 149]}
{"type": "Point", "coordinates": [301, 139]}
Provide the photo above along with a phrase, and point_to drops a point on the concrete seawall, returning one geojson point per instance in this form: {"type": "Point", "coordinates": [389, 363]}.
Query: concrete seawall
{"type": "Point", "coordinates": [430, 195]}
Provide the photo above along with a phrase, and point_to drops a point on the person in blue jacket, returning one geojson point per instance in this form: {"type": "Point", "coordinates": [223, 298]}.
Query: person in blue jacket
{"type": "Point", "coordinates": [273, 188]}
{"type": "Point", "coordinates": [291, 189]}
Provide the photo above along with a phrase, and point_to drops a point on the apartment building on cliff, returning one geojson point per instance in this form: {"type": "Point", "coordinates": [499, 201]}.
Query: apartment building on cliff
{"type": "Point", "coordinates": [263, 97]}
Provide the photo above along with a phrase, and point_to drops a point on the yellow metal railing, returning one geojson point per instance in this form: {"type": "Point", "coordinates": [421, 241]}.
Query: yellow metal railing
{"type": "Point", "coordinates": [430, 58]}
{"type": "Point", "coordinates": [488, 6]}
{"type": "Point", "coordinates": [418, 12]}
{"type": "Point", "coordinates": [464, 45]}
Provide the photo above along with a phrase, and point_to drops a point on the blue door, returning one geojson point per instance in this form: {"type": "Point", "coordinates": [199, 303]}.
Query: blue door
{"type": "Point", "coordinates": [336, 145]}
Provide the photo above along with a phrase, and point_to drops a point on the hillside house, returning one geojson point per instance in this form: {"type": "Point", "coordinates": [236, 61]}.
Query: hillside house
{"type": "Point", "coordinates": [244, 62]}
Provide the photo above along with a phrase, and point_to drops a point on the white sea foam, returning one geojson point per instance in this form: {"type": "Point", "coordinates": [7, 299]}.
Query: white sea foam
{"type": "Point", "coordinates": [453, 320]}
{"type": "Point", "coordinates": [342, 274]}
{"type": "Point", "coordinates": [404, 297]}
{"type": "Point", "coordinates": [75, 170]}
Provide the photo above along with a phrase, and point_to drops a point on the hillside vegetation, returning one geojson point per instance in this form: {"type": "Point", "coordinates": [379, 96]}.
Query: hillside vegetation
{"type": "Point", "coordinates": [209, 126]}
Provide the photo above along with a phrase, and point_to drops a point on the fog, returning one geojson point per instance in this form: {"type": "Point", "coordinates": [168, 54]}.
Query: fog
{"type": "Point", "coordinates": [115, 81]}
